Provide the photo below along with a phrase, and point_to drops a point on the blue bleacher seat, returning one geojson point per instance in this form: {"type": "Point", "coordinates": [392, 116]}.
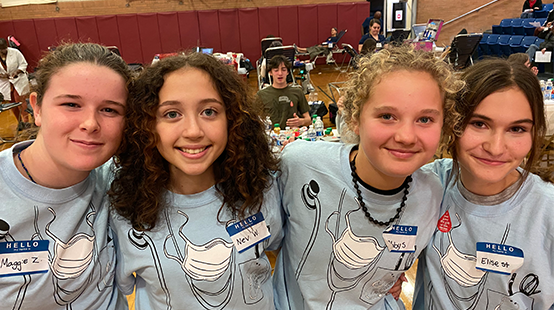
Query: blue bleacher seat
{"type": "Point", "coordinates": [517, 27]}
{"type": "Point", "coordinates": [541, 21]}
{"type": "Point", "coordinates": [513, 45]}
{"type": "Point", "coordinates": [483, 48]}
{"type": "Point", "coordinates": [543, 13]}
{"type": "Point", "coordinates": [548, 7]}
{"type": "Point", "coordinates": [496, 29]}
{"type": "Point", "coordinates": [506, 25]}
{"type": "Point", "coordinates": [502, 48]}
{"type": "Point", "coordinates": [529, 29]}
{"type": "Point", "coordinates": [538, 41]}
{"type": "Point", "coordinates": [492, 43]}
{"type": "Point", "coordinates": [527, 41]}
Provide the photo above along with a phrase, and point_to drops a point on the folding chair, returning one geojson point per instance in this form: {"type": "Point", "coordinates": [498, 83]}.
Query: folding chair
{"type": "Point", "coordinates": [462, 48]}
{"type": "Point", "coordinates": [334, 47]}
{"type": "Point", "coordinates": [266, 42]}
{"type": "Point", "coordinates": [353, 56]}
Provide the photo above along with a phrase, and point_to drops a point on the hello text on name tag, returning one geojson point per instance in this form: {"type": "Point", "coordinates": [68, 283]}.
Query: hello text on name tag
{"type": "Point", "coordinates": [400, 238]}
{"type": "Point", "coordinates": [498, 258]}
{"type": "Point", "coordinates": [249, 232]}
{"type": "Point", "coordinates": [23, 257]}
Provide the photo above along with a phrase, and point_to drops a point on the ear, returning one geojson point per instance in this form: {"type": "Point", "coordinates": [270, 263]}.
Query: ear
{"type": "Point", "coordinates": [36, 108]}
{"type": "Point", "coordinates": [356, 127]}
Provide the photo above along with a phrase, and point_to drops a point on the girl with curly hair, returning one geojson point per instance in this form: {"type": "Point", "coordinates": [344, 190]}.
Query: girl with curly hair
{"type": "Point", "coordinates": [196, 201]}
{"type": "Point", "coordinates": [369, 208]}
{"type": "Point", "coordinates": [493, 248]}
{"type": "Point", "coordinates": [57, 251]}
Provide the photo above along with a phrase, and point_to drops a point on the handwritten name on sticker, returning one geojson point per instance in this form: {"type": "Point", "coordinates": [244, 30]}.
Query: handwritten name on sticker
{"type": "Point", "coordinates": [23, 257]}
{"type": "Point", "coordinates": [249, 232]}
{"type": "Point", "coordinates": [499, 258]}
{"type": "Point", "coordinates": [400, 238]}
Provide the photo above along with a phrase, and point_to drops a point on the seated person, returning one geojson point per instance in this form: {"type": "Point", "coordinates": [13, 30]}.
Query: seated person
{"type": "Point", "coordinates": [374, 28]}
{"type": "Point", "coordinates": [365, 24]}
{"type": "Point", "coordinates": [529, 6]}
{"type": "Point", "coordinates": [323, 48]}
{"type": "Point", "coordinates": [523, 59]}
{"type": "Point", "coordinates": [285, 105]}
{"type": "Point", "coordinates": [547, 44]}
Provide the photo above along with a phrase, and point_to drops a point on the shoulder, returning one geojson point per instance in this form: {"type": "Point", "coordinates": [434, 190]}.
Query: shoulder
{"type": "Point", "coordinates": [441, 168]}
{"type": "Point", "coordinates": [303, 153]}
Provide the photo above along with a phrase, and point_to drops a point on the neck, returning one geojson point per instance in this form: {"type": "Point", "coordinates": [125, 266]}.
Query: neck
{"type": "Point", "coordinates": [45, 171]}
{"type": "Point", "coordinates": [187, 185]}
{"type": "Point", "coordinates": [375, 178]}
{"type": "Point", "coordinates": [484, 188]}
{"type": "Point", "coordinates": [279, 86]}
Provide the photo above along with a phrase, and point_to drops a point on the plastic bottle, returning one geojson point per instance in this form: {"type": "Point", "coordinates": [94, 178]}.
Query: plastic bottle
{"type": "Point", "coordinates": [277, 129]}
{"type": "Point", "coordinates": [548, 90]}
{"type": "Point", "coordinates": [268, 124]}
{"type": "Point", "coordinates": [311, 133]}
{"type": "Point", "coordinates": [319, 127]}
{"type": "Point", "coordinates": [315, 97]}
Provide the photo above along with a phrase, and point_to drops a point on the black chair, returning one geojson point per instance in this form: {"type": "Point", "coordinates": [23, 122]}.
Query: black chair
{"type": "Point", "coordinates": [462, 48]}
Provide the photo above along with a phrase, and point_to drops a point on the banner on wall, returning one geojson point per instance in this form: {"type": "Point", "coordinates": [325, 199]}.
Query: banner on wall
{"type": "Point", "coordinates": [9, 3]}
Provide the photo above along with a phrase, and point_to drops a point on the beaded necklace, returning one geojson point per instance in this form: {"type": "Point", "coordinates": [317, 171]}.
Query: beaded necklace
{"type": "Point", "coordinates": [362, 203]}
{"type": "Point", "coordinates": [25, 168]}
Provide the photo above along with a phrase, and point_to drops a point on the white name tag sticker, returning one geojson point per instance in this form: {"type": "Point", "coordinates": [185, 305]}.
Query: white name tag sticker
{"type": "Point", "coordinates": [499, 258]}
{"type": "Point", "coordinates": [23, 257]}
{"type": "Point", "coordinates": [249, 232]}
{"type": "Point", "coordinates": [400, 238]}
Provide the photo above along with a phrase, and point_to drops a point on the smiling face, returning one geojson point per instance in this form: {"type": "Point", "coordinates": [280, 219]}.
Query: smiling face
{"type": "Point", "coordinates": [80, 117]}
{"type": "Point", "coordinates": [399, 130]}
{"type": "Point", "coordinates": [494, 144]}
{"type": "Point", "coordinates": [279, 76]}
{"type": "Point", "coordinates": [192, 129]}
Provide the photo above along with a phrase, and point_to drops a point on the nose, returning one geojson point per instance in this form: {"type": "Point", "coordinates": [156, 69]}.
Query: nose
{"type": "Point", "coordinates": [90, 122]}
{"type": "Point", "coordinates": [191, 128]}
{"type": "Point", "coordinates": [495, 145]}
{"type": "Point", "coordinates": [405, 134]}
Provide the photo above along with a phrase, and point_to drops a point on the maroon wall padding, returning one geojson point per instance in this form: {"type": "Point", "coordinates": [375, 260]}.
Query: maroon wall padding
{"type": "Point", "coordinates": [130, 48]}
{"type": "Point", "coordinates": [250, 34]}
{"type": "Point", "coordinates": [87, 29]}
{"type": "Point", "coordinates": [6, 29]}
{"type": "Point", "coordinates": [149, 36]}
{"type": "Point", "coordinates": [46, 33]}
{"type": "Point", "coordinates": [66, 29]}
{"type": "Point", "coordinates": [307, 26]}
{"type": "Point", "coordinates": [208, 23]}
{"type": "Point", "coordinates": [268, 19]}
{"type": "Point", "coordinates": [26, 35]}
{"type": "Point", "coordinates": [229, 30]}
{"type": "Point", "coordinates": [108, 30]}
{"type": "Point", "coordinates": [288, 24]}
{"type": "Point", "coordinates": [140, 36]}
{"type": "Point", "coordinates": [170, 36]}
{"type": "Point", "coordinates": [188, 29]}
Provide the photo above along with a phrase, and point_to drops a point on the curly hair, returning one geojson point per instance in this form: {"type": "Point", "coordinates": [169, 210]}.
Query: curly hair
{"type": "Point", "coordinates": [372, 70]}
{"type": "Point", "coordinates": [242, 172]}
{"type": "Point", "coordinates": [485, 78]}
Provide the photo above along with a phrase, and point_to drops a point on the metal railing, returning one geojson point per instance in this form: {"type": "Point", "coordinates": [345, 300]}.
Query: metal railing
{"type": "Point", "coordinates": [472, 11]}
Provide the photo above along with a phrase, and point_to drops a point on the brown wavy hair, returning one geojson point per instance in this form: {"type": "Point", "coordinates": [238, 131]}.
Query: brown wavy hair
{"type": "Point", "coordinates": [483, 79]}
{"type": "Point", "coordinates": [243, 171]}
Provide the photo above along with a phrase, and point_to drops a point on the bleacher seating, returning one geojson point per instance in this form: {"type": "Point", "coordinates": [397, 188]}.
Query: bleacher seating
{"type": "Point", "coordinates": [506, 25]}
{"type": "Point", "coordinates": [483, 48]}
{"type": "Point", "coordinates": [512, 44]}
{"type": "Point", "coordinates": [517, 27]}
{"type": "Point", "coordinates": [492, 43]}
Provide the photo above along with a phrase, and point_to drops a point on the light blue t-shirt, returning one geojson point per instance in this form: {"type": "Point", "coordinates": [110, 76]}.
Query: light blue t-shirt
{"type": "Point", "coordinates": [72, 221]}
{"type": "Point", "coordinates": [332, 257]}
{"type": "Point", "coordinates": [448, 277]}
{"type": "Point", "coordinates": [189, 261]}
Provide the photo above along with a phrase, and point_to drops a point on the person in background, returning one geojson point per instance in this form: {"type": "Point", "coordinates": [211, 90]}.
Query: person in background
{"type": "Point", "coordinates": [368, 48]}
{"type": "Point", "coordinates": [323, 48]}
{"type": "Point", "coordinates": [196, 200]}
{"type": "Point", "coordinates": [345, 203]}
{"type": "Point", "coordinates": [546, 45]}
{"type": "Point", "coordinates": [52, 188]}
{"type": "Point", "coordinates": [365, 24]}
{"type": "Point", "coordinates": [529, 6]}
{"type": "Point", "coordinates": [523, 59]}
{"type": "Point", "coordinates": [14, 84]}
{"type": "Point", "coordinates": [286, 105]}
{"type": "Point", "coordinates": [374, 28]}
{"type": "Point", "coordinates": [493, 248]}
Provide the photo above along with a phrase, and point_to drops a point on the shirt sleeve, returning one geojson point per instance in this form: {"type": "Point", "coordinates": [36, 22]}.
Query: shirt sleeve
{"type": "Point", "coordinates": [303, 106]}
{"type": "Point", "coordinates": [21, 62]}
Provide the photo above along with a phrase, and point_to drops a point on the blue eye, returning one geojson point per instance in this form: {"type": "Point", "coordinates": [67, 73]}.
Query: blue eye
{"type": "Point", "coordinates": [425, 120]}
{"type": "Point", "coordinates": [171, 114]}
{"type": "Point", "coordinates": [209, 112]}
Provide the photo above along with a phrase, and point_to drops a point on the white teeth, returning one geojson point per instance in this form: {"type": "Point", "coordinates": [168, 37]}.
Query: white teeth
{"type": "Point", "coordinates": [193, 151]}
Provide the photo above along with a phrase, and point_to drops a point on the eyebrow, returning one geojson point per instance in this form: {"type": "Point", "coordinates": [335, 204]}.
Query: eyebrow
{"type": "Point", "coordinates": [424, 111]}
{"type": "Point", "coordinates": [519, 121]}
{"type": "Point", "coordinates": [176, 102]}
{"type": "Point", "coordinates": [79, 97]}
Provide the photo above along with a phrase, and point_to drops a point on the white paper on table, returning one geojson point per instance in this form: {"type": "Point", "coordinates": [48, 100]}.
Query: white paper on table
{"type": "Point", "coordinates": [540, 57]}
